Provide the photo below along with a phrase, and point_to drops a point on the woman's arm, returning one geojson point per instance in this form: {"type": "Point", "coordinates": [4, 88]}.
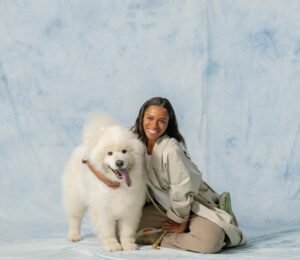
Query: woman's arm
{"type": "Point", "coordinates": [185, 180]}
{"type": "Point", "coordinates": [100, 176]}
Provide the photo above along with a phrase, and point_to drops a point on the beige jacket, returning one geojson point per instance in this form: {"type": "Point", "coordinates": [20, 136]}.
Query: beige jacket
{"type": "Point", "coordinates": [171, 171]}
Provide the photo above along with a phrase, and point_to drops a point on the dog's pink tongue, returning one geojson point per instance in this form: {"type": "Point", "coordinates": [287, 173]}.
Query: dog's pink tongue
{"type": "Point", "coordinates": [126, 177]}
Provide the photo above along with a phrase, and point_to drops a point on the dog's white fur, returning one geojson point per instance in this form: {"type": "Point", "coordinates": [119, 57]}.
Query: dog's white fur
{"type": "Point", "coordinates": [109, 209]}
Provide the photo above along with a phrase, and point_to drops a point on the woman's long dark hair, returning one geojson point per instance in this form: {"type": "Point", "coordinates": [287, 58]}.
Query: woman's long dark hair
{"type": "Point", "coordinates": [172, 129]}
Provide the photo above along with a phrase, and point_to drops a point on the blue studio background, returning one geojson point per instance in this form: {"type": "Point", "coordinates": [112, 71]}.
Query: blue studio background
{"type": "Point", "coordinates": [230, 68]}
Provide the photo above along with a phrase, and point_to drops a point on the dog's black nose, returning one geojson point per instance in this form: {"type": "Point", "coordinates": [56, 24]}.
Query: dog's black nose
{"type": "Point", "coordinates": [119, 163]}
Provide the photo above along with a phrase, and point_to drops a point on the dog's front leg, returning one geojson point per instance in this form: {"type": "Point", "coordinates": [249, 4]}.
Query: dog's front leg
{"type": "Point", "coordinates": [105, 229]}
{"type": "Point", "coordinates": [74, 228]}
{"type": "Point", "coordinates": [107, 235]}
{"type": "Point", "coordinates": [127, 228]}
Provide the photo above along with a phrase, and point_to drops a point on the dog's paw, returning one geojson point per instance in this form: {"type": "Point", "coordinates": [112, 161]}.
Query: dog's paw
{"type": "Point", "coordinates": [115, 246]}
{"type": "Point", "coordinates": [74, 237]}
{"type": "Point", "coordinates": [129, 246]}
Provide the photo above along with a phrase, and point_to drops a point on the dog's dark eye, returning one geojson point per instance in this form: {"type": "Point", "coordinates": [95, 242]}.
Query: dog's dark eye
{"type": "Point", "coordinates": [124, 151]}
{"type": "Point", "coordinates": [110, 153]}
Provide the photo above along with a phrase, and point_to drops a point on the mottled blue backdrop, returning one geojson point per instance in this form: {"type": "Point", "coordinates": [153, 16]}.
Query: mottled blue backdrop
{"type": "Point", "coordinates": [230, 68]}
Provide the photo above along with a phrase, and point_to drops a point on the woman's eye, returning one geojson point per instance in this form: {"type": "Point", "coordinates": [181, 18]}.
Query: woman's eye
{"type": "Point", "coordinates": [124, 151]}
{"type": "Point", "coordinates": [110, 153]}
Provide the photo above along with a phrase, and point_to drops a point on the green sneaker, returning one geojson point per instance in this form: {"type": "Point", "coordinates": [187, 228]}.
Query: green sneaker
{"type": "Point", "coordinates": [225, 202]}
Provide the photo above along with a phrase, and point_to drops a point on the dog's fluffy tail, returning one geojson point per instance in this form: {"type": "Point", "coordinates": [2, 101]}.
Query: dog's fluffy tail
{"type": "Point", "coordinates": [94, 126]}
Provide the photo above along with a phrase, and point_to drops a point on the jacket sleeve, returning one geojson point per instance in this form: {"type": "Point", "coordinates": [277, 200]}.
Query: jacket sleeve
{"type": "Point", "coordinates": [185, 180]}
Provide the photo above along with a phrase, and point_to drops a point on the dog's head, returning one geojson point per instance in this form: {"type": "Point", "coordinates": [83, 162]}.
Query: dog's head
{"type": "Point", "coordinates": [117, 152]}
{"type": "Point", "coordinates": [119, 162]}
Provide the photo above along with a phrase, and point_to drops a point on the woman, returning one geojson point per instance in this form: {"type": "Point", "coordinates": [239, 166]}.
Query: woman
{"type": "Point", "coordinates": [181, 203]}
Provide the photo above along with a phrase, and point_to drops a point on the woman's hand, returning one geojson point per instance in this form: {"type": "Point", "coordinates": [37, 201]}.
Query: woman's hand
{"type": "Point", "coordinates": [172, 226]}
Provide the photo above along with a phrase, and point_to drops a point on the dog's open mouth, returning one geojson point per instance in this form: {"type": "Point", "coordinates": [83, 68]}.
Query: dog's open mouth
{"type": "Point", "coordinates": [123, 174]}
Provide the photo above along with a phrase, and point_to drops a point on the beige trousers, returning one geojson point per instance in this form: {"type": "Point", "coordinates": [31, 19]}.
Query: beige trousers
{"type": "Point", "coordinates": [203, 236]}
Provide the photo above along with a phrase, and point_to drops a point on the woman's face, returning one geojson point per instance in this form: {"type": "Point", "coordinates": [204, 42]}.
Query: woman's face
{"type": "Point", "coordinates": [155, 122]}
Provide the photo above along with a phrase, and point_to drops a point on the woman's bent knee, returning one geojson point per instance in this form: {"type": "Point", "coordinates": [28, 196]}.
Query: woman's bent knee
{"type": "Point", "coordinates": [210, 244]}
{"type": "Point", "coordinates": [187, 241]}
{"type": "Point", "coordinates": [211, 247]}
{"type": "Point", "coordinates": [209, 236]}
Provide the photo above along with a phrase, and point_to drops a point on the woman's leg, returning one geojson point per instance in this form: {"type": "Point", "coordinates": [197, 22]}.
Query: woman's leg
{"type": "Point", "coordinates": [151, 217]}
{"type": "Point", "coordinates": [204, 237]}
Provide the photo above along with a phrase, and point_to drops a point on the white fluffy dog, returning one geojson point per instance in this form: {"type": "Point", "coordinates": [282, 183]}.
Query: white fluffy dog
{"type": "Point", "coordinates": [114, 213]}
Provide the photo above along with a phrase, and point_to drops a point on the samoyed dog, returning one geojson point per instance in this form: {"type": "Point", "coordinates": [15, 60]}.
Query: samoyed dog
{"type": "Point", "coordinates": [116, 153]}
